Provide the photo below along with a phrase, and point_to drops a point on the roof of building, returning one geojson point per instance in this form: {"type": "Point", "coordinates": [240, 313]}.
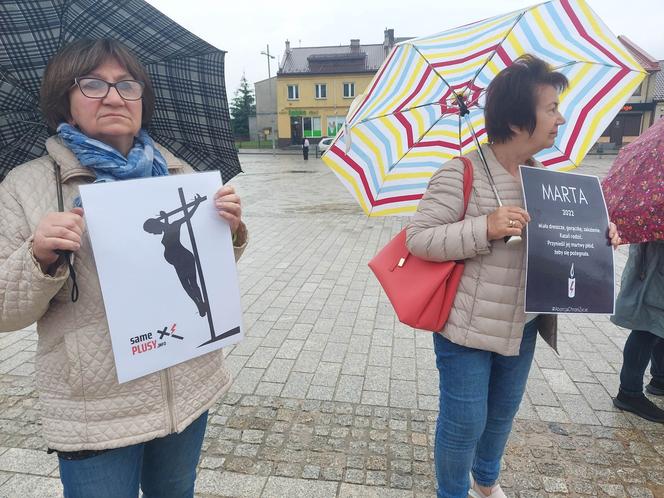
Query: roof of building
{"type": "Point", "coordinates": [334, 59]}
{"type": "Point", "coordinates": [647, 61]}
{"type": "Point", "coordinates": [659, 84]}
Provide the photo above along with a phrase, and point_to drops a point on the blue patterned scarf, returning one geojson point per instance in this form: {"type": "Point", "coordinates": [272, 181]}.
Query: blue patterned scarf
{"type": "Point", "coordinates": [143, 160]}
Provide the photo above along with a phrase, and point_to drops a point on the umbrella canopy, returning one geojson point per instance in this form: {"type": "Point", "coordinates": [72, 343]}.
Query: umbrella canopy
{"type": "Point", "coordinates": [634, 188]}
{"type": "Point", "coordinates": [191, 116]}
{"type": "Point", "coordinates": [409, 122]}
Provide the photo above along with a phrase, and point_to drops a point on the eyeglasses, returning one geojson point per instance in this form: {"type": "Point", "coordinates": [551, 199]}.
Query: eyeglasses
{"type": "Point", "coordinates": [94, 88]}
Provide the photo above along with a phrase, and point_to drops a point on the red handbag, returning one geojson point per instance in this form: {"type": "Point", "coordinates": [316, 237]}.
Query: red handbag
{"type": "Point", "coordinates": [421, 292]}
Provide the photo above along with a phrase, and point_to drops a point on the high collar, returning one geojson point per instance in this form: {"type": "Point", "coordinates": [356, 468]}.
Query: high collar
{"type": "Point", "coordinates": [496, 167]}
{"type": "Point", "coordinates": [70, 167]}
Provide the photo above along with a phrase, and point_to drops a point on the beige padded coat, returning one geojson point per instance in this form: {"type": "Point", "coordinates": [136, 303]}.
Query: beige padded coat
{"type": "Point", "coordinates": [83, 406]}
{"type": "Point", "coordinates": [488, 307]}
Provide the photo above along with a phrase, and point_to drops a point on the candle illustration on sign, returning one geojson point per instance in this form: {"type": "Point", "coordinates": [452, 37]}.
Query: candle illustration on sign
{"type": "Point", "coordinates": [187, 263]}
{"type": "Point", "coordinates": [571, 283]}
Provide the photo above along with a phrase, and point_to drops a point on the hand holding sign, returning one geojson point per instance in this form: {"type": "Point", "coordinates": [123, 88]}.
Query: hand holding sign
{"type": "Point", "coordinates": [57, 231]}
{"type": "Point", "coordinates": [613, 236]}
{"type": "Point", "coordinates": [228, 206]}
{"type": "Point", "coordinates": [506, 221]}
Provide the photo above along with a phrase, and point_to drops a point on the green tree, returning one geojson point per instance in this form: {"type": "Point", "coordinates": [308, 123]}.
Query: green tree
{"type": "Point", "coordinates": [242, 106]}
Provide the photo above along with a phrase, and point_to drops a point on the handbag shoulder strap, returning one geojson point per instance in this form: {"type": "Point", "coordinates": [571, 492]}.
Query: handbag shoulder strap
{"type": "Point", "coordinates": [467, 189]}
{"type": "Point", "coordinates": [467, 183]}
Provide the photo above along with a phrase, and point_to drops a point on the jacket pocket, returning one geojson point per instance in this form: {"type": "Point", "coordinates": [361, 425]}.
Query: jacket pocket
{"type": "Point", "coordinates": [74, 379]}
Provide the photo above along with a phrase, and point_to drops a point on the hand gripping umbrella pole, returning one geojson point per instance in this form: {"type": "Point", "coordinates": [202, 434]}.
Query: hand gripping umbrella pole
{"type": "Point", "coordinates": [510, 240]}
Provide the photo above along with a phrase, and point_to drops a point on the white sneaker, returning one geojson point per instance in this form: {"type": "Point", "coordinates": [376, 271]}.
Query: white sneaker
{"type": "Point", "coordinates": [474, 491]}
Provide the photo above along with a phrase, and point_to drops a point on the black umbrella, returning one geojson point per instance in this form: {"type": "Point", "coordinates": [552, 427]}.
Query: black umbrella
{"type": "Point", "coordinates": [191, 117]}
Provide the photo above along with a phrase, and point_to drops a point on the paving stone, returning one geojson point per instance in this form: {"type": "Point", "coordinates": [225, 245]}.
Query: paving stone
{"type": "Point", "coordinates": [578, 409]}
{"type": "Point", "coordinates": [376, 478]}
{"type": "Point", "coordinates": [377, 379]}
{"type": "Point", "coordinates": [326, 374]}
{"type": "Point", "coordinates": [349, 389]}
{"type": "Point", "coordinates": [324, 393]}
{"type": "Point", "coordinates": [347, 490]}
{"type": "Point", "coordinates": [374, 398]}
{"type": "Point", "coordinates": [308, 361]}
{"type": "Point", "coordinates": [297, 385]}
{"type": "Point", "coordinates": [229, 483]}
{"type": "Point", "coordinates": [28, 461]}
{"type": "Point", "coordinates": [278, 370]}
{"type": "Point", "coordinates": [269, 388]}
{"type": "Point", "coordinates": [552, 414]}
{"type": "Point", "coordinates": [540, 393]}
{"type": "Point", "coordinates": [554, 485]}
{"type": "Point", "coordinates": [354, 476]}
{"type": "Point", "coordinates": [559, 381]}
{"type": "Point", "coordinates": [403, 369]}
{"type": "Point", "coordinates": [380, 356]}
{"type": "Point", "coordinates": [25, 486]}
{"type": "Point", "coordinates": [246, 380]}
{"type": "Point", "coordinates": [403, 393]}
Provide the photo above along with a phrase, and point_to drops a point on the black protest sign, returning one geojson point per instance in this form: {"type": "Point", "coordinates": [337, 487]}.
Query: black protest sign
{"type": "Point", "coordinates": [569, 258]}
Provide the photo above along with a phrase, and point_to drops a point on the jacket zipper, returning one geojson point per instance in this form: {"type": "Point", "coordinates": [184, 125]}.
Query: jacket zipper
{"type": "Point", "coordinates": [169, 401]}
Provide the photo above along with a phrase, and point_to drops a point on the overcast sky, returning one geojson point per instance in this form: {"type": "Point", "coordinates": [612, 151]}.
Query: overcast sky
{"type": "Point", "coordinates": [243, 27]}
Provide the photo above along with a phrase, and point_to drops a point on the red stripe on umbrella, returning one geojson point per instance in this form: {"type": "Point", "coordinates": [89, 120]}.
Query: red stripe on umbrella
{"type": "Point", "coordinates": [416, 90]}
{"type": "Point", "coordinates": [576, 131]}
{"type": "Point", "coordinates": [584, 34]}
{"type": "Point", "coordinates": [373, 87]}
{"type": "Point", "coordinates": [465, 59]}
{"type": "Point", "coordinates": [438, 143]}
{"type": "Point", "coordinates": [409, 129]}
{"type": "Point", "coordinates": [360, 172]}
{"type": "Point", "coordinates": [507, 60]}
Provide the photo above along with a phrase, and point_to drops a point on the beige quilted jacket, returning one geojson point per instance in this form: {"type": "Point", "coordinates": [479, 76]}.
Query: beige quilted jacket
{"type": "Point", "coordinates": [84, 407]}
{"type": "Point", "coordinates": [488, 308]}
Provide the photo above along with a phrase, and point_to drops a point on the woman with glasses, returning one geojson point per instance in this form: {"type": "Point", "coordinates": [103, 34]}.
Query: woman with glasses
{"type": "Point", "coordinates": [111, 438]}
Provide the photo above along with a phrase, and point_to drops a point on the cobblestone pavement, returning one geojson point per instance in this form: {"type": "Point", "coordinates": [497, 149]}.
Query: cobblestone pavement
{"type": "Point", "coordinates": [333, 397]}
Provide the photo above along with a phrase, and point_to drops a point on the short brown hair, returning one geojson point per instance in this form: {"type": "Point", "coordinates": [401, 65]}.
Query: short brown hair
{"type": "Point", "coordinates": [79, 58]}
{"type": "Point", "coordinates": [511, 97]}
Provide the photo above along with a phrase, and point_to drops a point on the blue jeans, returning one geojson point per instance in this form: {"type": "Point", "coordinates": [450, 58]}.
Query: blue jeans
{"type": "Point", "coordinates": [164, 468]}
{"type": "Point", "coordinates": [480, 393]}
{"type": "Point", "coordinates": [641, 347]}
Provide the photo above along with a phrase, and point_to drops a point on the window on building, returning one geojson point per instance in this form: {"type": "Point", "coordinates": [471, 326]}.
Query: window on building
{"type": "Point", "coordinates": [311, 126]}
{"type": "Point", "coordinates": [632, 125]}
{"type": "Point", "coordinates": [321, 91]}
{"type": "Point", "coordinates": [334, 124]}
{"type": "Point", "coordinates": [637, 92]}
{"type": "Point", "coordinates": [349, 90]}
{"type": "Point", "coordinates": [293, 92]}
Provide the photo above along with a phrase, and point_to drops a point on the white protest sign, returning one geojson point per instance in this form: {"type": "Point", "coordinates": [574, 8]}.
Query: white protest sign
{"type": "Point", "coordinates": [166, 267]}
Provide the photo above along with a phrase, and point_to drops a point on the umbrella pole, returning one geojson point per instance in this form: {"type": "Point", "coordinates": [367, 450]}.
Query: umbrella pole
{"type": "Point", "coordinates": [464, 112]}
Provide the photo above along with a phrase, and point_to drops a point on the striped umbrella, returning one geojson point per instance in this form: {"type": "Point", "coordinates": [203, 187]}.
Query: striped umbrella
{"type": "Point", "coordinates": [409, 122]}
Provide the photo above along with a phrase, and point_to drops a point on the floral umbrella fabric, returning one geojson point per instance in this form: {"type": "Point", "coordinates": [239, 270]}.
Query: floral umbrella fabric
{"type": "Point", "coordinates": [634, 188]}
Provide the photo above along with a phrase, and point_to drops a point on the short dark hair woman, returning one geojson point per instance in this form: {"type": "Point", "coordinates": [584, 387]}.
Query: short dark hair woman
{"type": "Point", "coordinates": [111, 438]}
{"type": "Point", "coordinates": [484, 352]}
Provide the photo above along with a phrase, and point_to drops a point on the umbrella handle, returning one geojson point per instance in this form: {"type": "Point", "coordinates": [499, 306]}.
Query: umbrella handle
{"type": "Point", "coordinates": [512, 240]}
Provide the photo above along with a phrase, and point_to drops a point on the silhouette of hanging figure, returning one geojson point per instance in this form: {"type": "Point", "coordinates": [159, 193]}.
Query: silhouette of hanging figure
{"type": "Point", "coordinates": [175, 253]}
{"type": "Point", "coordinates": [187, 263]}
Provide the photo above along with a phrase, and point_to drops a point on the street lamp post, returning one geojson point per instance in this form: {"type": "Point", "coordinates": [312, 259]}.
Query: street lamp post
{"type": "Point", "coordinates": [269, 88]}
